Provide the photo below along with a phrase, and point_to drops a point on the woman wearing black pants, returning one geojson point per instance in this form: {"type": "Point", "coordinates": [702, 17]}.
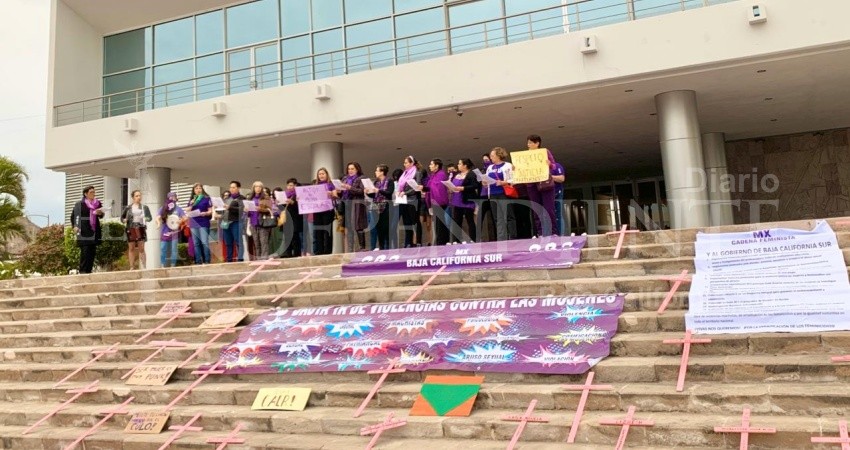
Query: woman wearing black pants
{"type": "Point", "coordinates": [86, 222]}
{"type": "Point", "coordinates": [463, 197]}
{"type": "Point", "coordinates": [409, 199]}
{"type": "Point", "coordinates": [381, 196]}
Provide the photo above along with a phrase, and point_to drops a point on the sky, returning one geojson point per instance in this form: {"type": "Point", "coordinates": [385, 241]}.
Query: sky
{"type": "Point", "coordinates": [24, 48]}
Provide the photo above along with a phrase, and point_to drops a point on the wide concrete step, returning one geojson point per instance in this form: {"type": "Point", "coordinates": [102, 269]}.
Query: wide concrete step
{"type": "Point", "coordinates": [780, 399]}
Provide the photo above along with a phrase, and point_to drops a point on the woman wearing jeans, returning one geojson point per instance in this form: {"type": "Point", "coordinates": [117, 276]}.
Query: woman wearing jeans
{"type": "Point", "coordinates": [261, 234]}
{"type": "Point", "coordinates": [199, 223]}
{"type": "Point", "coordinates": [168, 220]}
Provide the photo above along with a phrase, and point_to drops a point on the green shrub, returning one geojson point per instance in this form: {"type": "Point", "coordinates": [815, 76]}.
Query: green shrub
{"type": "Point", "coordinates": [183, 258]}
{"type": "Point", "coordinates": [46, 254]}
{"type": "Point", "coordinates": [7, 270]}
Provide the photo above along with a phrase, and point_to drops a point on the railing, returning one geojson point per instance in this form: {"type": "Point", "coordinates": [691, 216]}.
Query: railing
{"type": "Point", "coordinates": [570, 16]}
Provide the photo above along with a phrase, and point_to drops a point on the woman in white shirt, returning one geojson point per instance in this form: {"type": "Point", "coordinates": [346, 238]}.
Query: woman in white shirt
{"type": "Point", "coordinates": [135, 218]}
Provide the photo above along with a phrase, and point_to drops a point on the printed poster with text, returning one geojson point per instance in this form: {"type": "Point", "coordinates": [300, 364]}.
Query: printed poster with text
{"type": "Point", "coordinates": [563, 335]}
{"type": "Point", "coordinates": [769, 280]}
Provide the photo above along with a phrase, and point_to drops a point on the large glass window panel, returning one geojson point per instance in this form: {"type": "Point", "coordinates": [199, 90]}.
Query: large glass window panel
{"type": "Point", "coordinates": [412, 5]}
{"type": "Point", "coordinates": [360, 10]}
{"type": "Point", "coordinates": [266, 67]}
{"type": "Point", "coordinates": [526, 24]}
{"type": "Point", "coordinates": [173, 41]}
{"type": "Point", "coordinates": [252, 23]}
{"type": "Point", "coordinates": [126, 51]}
{"type": "Point", "coordinates": [209, 32]}
{"type": "Point", "coordinates": [298, 65]}
{"type": "Point", "coordinates": [210, 82]}
{"type": "Point", "coordinates": [326, 14]}
{"type": "Point", "coordinates": [478, 36]}
{"type": "Point", "coordinates": [295, 16]}
{"type": "Point", "coordinates": [239, 71]}
{"type": "Point", "coordinates": [371, 56]}
{"type": "Point", "coordinates": [128, 102]}
{"type": "Point", "coordinates": [328, 64]}
{"type": "Point", "coordinates": [649, 8]}
{"type": "Point", "coordinates": [597, 13]}
{"type": "Point", "coordinates": [174, 93]}
{"type": "Point", "coordinates": [420, 22]}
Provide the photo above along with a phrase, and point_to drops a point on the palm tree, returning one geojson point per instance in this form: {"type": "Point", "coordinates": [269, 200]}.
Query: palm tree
{"type": "Point", "coordinates": [12, 198]}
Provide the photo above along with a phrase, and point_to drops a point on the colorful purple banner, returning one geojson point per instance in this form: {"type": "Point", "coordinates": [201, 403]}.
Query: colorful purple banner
{"type": "Point", "coordinates": [543, 253]}
{"type": "Point", "coordinates": [562, 335]}
{"type": "Point", "coordinates": [313, 199]}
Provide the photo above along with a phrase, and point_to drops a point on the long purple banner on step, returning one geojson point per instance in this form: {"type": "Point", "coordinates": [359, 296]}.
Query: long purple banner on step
{"type": "Point", "coordinates": [543, 253]}
{"type": "Point", "coordinates": [562, 335]}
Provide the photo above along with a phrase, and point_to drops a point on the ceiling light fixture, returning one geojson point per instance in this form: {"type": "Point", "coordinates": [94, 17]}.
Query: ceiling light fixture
{"type": "Point", "coordinates": [517, 107]}
{"type": "Point", "coordinates": [630, 90]}
{"type": "Point", "coordinates": [774, 120]}
{"type": "Point", "coordinates": [767, 99]}
{"type": "Point", "coordinates": [423, 121]}
{"type": "Point", "coordinates": [761, 71]}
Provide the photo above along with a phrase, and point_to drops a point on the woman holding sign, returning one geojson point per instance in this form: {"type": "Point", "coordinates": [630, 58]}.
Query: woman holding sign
{"type": "Point", "coordinates": [323, 221]}
{"type": "Point", "coordinates": [542, 193]}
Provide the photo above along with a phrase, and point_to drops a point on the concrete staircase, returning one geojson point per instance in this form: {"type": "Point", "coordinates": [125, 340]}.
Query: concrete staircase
{"type": "Point", "coordinates": [49, 326]}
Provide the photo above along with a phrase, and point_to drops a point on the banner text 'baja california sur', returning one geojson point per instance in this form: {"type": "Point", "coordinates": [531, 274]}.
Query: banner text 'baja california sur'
{"type": "Point", "coordinates": [564, 335]}
{"type": "Point", "coordinates": [544, 253]}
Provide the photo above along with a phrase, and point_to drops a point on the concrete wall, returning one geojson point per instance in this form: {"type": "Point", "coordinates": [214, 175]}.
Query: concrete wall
{"type": "Point", "coordinates": [704, 37]}
{"type": "Point", "coordinates": [76, 58]}
{"type": "Point", "coordinates": [799, 176]}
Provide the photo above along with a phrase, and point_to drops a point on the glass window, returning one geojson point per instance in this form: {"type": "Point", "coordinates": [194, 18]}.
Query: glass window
{"type": "Point", "coordinates": [295, 16]}
{"type": "Point", "coordinates": [326, 14]}
{"type": "Point", "coordinates": [420, 47]}
{"type": "Point", "coordinates": [239, 71]}
{"type": "Point", "coordinates": [412, 5]}
{"type": "Point", "coordinates": [209, 32]}
{"type": "Point", "coordinates": [299, 65]}
{"type": "Point", "coordinates": [372, 56]}
{"type": "Point", "coordinates": [331, 64]}
{"type": "Point", "coordinates": [125, 51]}
{"type": "Point", "coordinates": [177, 93]}
{"type": "Point", "coordinates": [210, 83]}
{"type": "Point", "coordinates": [649, 8]}
{"type": "Point", "coordinates": [598, 13]}
{"type": "Point", "coordinates": [252, 23]}
{"type": "Point", "coordinates": [116, 105]}
{"type": "Point", "coordinates": [479, 36]}
{"type": "Point", "coordinates": [533, 24]}
{"type": "Point", "coordinates": [360, 10]}
{"type": "Point", "coordinates": [267, 69]}
{"type": "Point", "coordinates": [173, 40]}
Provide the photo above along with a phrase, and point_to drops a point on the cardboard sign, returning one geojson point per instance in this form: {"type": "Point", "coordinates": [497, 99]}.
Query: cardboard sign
{"type": "Point", "coordinates": [152, 375]}
{"type": "Point", "coordinates": [530, 166]}
{"type": "Point", "coordinates": [285, 399]}
{"type": "Point", "coordinates": [147, 423]}
{"type": "Point", "coordinates": [172, 308]}
{"type": "Point", "coordinates": [313, 199]}
{"type": "Point", "coordinates": [225, 318]}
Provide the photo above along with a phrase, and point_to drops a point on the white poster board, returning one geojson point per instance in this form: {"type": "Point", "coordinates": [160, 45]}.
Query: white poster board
{"type": "Point", "coordinates": [769, 280]}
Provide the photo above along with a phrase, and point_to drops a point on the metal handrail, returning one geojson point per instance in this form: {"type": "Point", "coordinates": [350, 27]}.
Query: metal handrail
{"type": "Point", "coordinates": [148, 100]}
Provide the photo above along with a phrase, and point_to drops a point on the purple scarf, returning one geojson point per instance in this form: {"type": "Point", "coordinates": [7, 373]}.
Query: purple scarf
{"type": "Point", "coordinates": [349, 180]}
{"type": "Point", "coordinates": [407, 175]}
{"type": "Point", "coordinates": [93, 205]}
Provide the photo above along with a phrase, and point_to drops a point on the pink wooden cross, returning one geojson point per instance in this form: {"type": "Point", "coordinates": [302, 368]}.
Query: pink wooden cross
{"type": "Point", "coordinates": [307, 276]}
{"type": "Point", "coordinates": [216, 334]}
{"type": "Point", "coordinates": [427, 282]}
{"type": "Point", "coordinates": [845, 358]}
{"type": "Point", "coordinates": [379, 428]}
{"type": "Point", "coordinates": [182, 313]}
{"type": "Point", "coordinates": [844, 440]}
{"type": "Point", "coordinates": [623, 231]}
{"type": "Point", "coordinates": [523, 421]}
{"type": "Point", "coordinates": [121, 409]}
{"type": "Point", "coordinates": [97, 355]}
{"type": "Point", "coordinates": [744, 429]}
{"type": "Point", "coordinates": [686, 352]}
{"type": "Point", "coordinates": [92, 387]}
{"type": "Point", "coordinates": [677, 281]}
{"type": "Point", "coordinates": [227, 440]}
{"type": "Point", "coordinates": [160, 347]}
{"type": "Point", "coordinates": [627, 423]}
{"type": "Point", "coordinates": [391, 368]}
{"type": "Point", "coordinates": [212, 370]}
{"type": "Point", "coordinates": [180, 429]}
{"type": "Point", "coordinates": [585, 391]}
{"type": "Point", "coordinates": [260, 266]}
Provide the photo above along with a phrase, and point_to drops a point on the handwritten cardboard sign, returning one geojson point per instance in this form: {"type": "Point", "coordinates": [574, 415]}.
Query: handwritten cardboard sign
{"type": "Point", "coordinates": [154, 375]}
{"type": "Point", "coordinates": [313, 199]}
{"type": "Point", "coordinates": [147, 422]}
{"type": "Point", "coordinates": [225, 318]}
{"type": "Point", "coordinates": [172, 308]}
{"type": "Point", "coordinates": [286, 399]}
{"type": "Point", "coordinates": [530, 166]}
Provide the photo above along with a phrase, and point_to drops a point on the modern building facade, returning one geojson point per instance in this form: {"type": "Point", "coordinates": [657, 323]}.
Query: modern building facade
{"type": "Point", "coordinates": [665, 113]}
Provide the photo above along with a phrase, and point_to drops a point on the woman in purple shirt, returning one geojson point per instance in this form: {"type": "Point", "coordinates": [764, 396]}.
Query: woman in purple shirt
{"type": "Point", "coordinates": [543, 194]}
{"type": "Point", "coordinates": [353, 197]}
{"type": "Point", "coordinates": [438, 201]}
{"type": "Point", "coordinates": [466, 190]}
{"type": "Point", "coordinates": [199, 224]}
{"type": "Point", "coordinates": [169, 230]}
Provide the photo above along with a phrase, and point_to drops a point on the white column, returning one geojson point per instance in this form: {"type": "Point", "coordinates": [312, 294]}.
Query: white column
{"type": "Point", "coordinates": [714, 158]}
{"type": "Point", "coordinates": [329, 156]}
{"type": "Point", "coordinates": [154, 182]}
{"type": "Point", "coordinates": [681, 155]}
{"type": "Point", "coordinates": [112, 196]}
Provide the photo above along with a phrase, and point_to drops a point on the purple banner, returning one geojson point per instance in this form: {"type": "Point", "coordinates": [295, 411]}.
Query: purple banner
{"type": "Point", "coordinates": [543, 253]}
{"type": "Point", "coordinates": [313, 199]}
{"type": "Point", "coordinates": [561, 335]}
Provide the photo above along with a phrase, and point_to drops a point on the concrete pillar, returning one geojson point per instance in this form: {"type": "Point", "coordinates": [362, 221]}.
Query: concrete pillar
{"type": "Point", "coordinates": [112, 196]}
{"type": "Point", "coordinates": [329, 156]}
{"type": "Point", "coordinates": [681, 155]}
{"type": "Point", "coordinates": [155, 183]}
{"type": "Point", "coordinates": [714, 158]}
